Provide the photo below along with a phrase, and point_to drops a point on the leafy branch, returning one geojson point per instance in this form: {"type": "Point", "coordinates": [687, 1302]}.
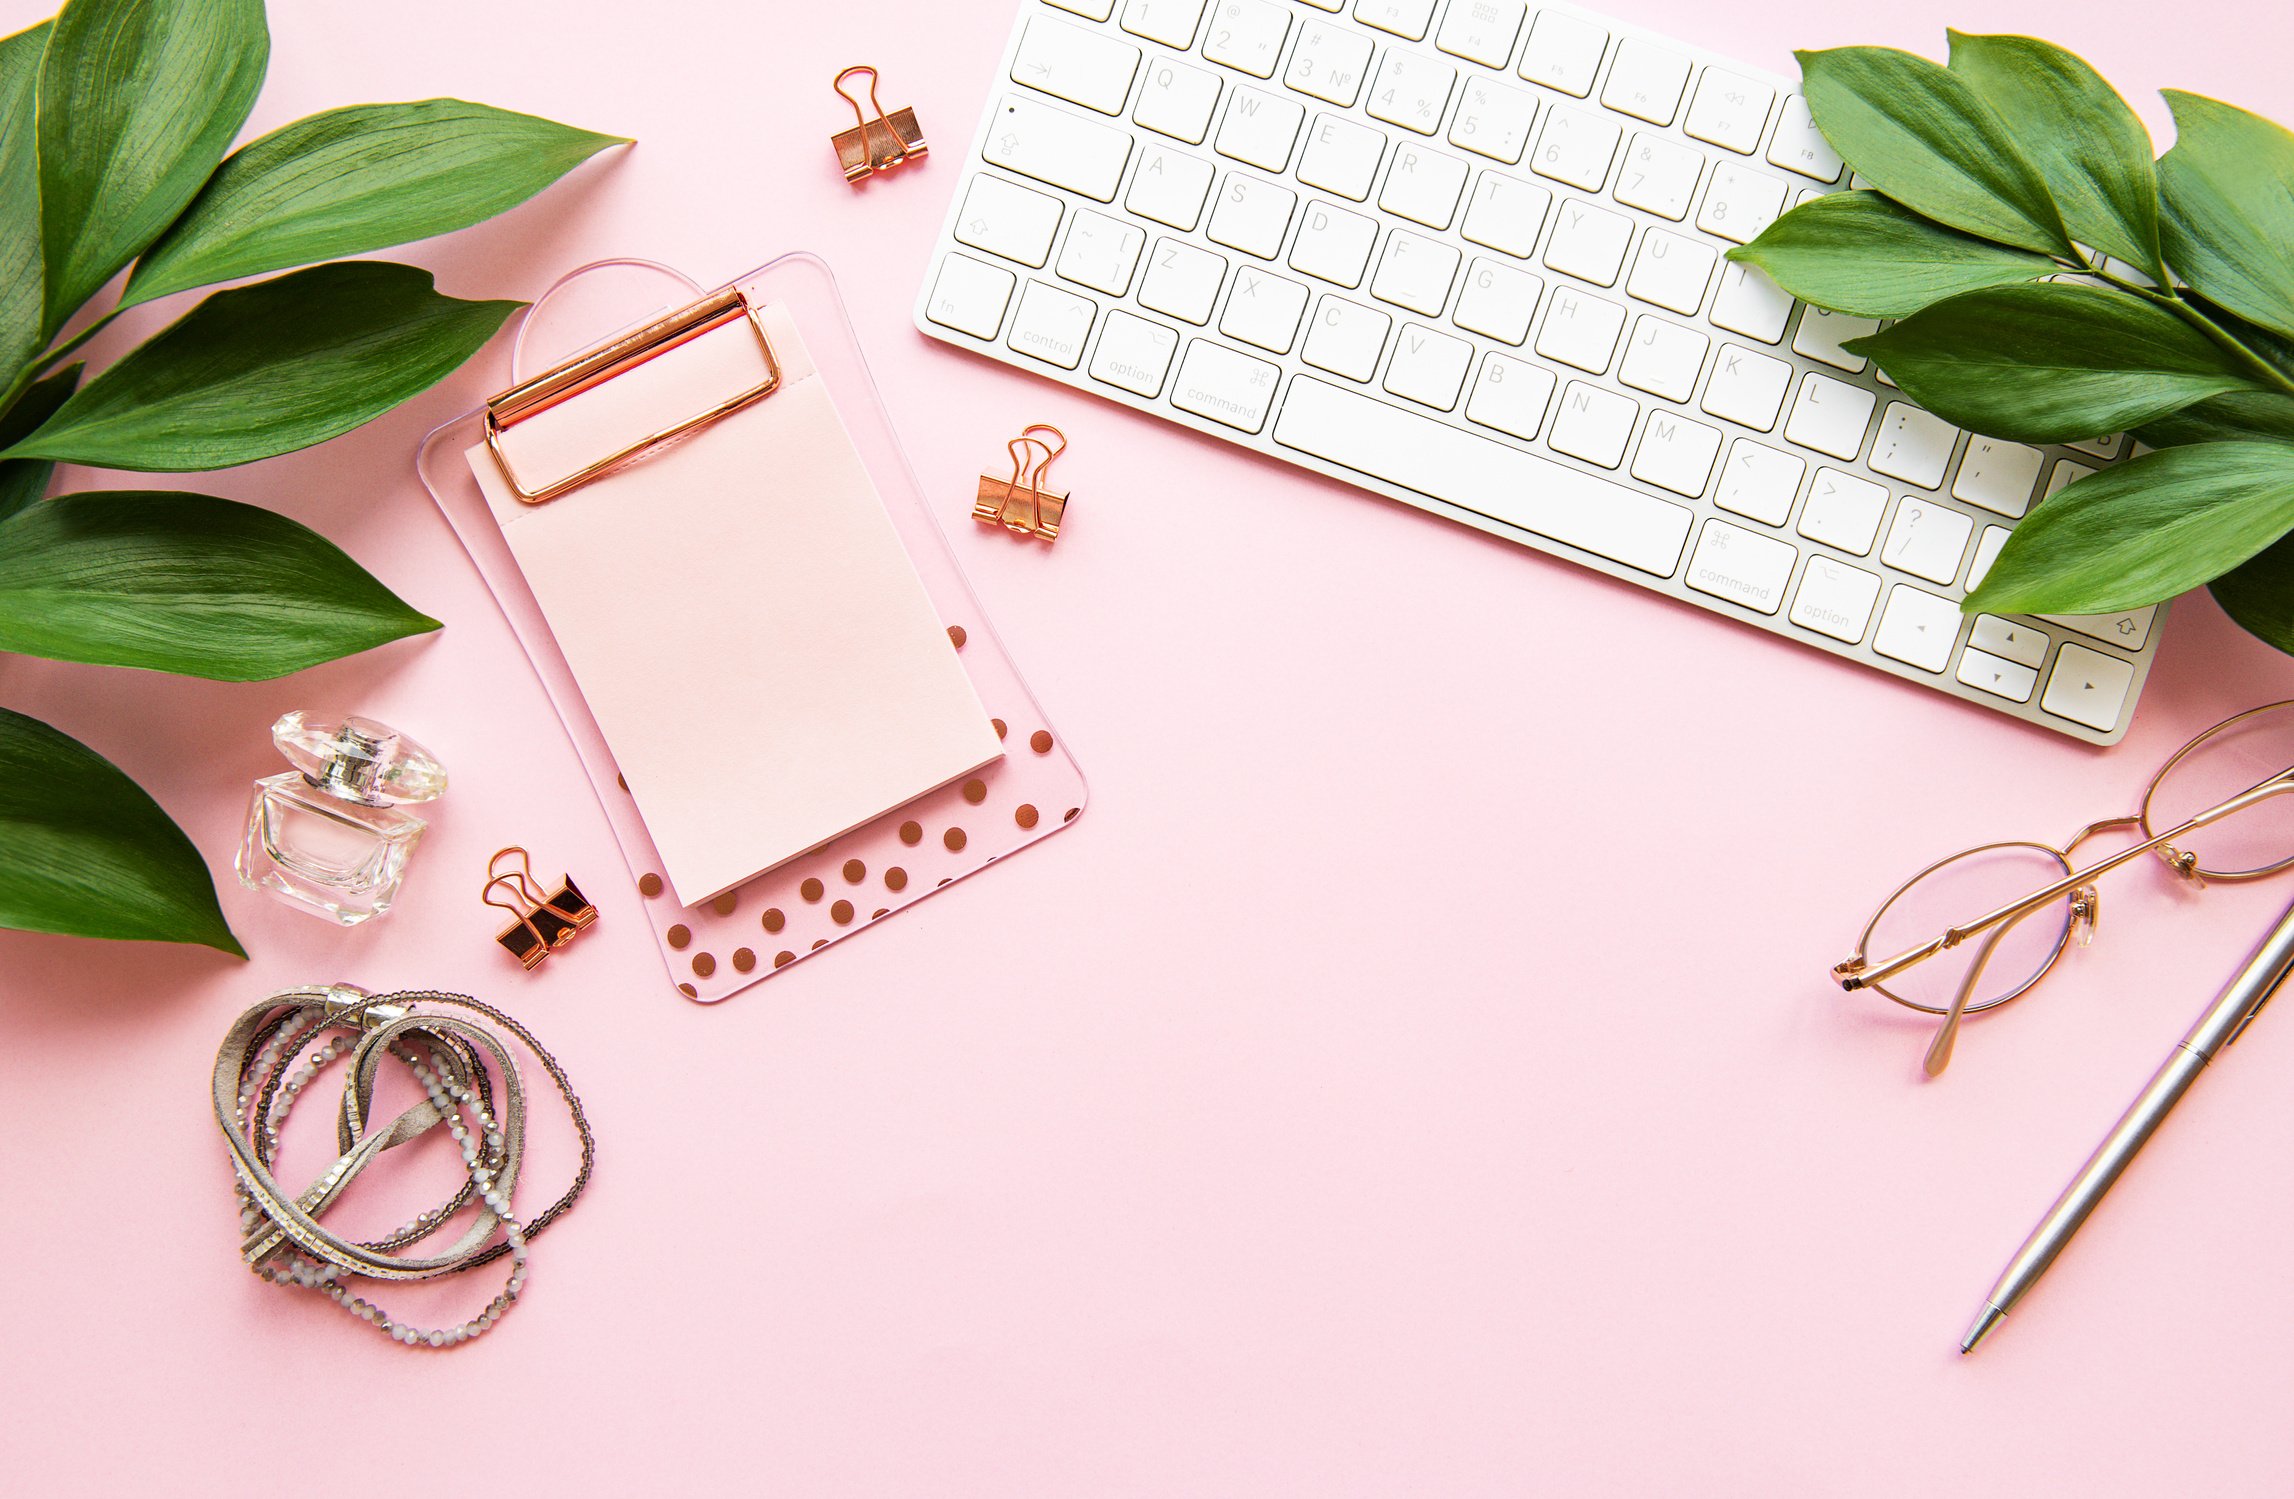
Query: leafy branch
{"type": "Point", "coordinates": [2050, 282]}
{"type": "Point", "coordinates": [115, 117]}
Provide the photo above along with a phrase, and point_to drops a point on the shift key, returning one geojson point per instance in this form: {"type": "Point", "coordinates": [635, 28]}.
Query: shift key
{"type": "Point", "coordinates": [1055, 146]}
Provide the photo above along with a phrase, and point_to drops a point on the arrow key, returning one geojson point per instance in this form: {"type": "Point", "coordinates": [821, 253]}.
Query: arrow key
{"type": "Point", "coordinates": [2000, 677]}
{"type": "Point", "coordinates": [1917, 628]}
{"type": "Point", "coordinates": [2023, 644]}
{"type": "Point", "coordinates": [2088, 687]}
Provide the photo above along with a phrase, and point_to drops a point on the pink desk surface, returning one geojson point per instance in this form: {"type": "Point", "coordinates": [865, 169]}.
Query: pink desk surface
{"type": "Point", "coordinates": [1416, 1074]}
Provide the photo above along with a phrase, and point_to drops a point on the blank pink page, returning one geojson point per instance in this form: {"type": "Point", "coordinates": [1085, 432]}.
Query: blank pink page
{"type": "Point", "coordinates": [739, 612]}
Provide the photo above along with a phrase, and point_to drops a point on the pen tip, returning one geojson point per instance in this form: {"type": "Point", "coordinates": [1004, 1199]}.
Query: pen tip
{"type": "Point", "coordinates": [1985, 1321]}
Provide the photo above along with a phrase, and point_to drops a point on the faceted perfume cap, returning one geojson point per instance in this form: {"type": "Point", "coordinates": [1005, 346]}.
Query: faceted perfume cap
{"type": "Point", "coordinates": [359, 760]}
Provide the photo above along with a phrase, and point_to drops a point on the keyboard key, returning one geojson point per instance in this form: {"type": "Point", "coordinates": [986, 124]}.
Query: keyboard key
{"type": "Point", "coordinates": [1510, 396]}
{"type": "Point", "coordinates": [1987, 550]}
{"type": "Point", "coordinates": [1671, 270]}
{"type": "Point", "coordinates": [1411, 91]}
{"type": "Point", "coordinates": [1663, 358]}
{"type": "Point", "coordinates": [1998, 475]}
{"type": "Point", "coordinates": [1428, 367]}
{"type": "Point", "coordinates": [1749, 303]}
{"type": "Point", "coordinates": [1580, 330]}
{"type": "Point", "coordinates": [1329, 62]}
{"type": "Point", "coordinates": [1747, 388]}
{"type": "Point", "coordinates": [1247, 35]}
{"type": "Point", "coordinates": [1095, 10]}
{"type": "Point", "coordinates": [1575, 147]}
{"type": "Point", "coordinates": [1333, 6]}
{"type": "Point", "coordinates": [1759, 482]}
{"type": "Point", "coordinates": [1081, 66]}
{"type": "Point", "coordinates": [1798, 146]}
{"type": "Point", "coordinates": [1404, 18]}
{"type": "Point", "coordinates": [1740, 203]}
{"type": "Point", "coordinates": [1059, 147]}
{"type": "Point", "coordinates": [1912, 445]}
{"type": "Point", "coordinates": [1729, 111]}
{"type": "Point", "coordinates": [2126, 631]}
{"type": "Point", "coordinates": [2088, 687]}
{"type": "Point", "coordinates": [1492, 120]}
{"type": "Point", "coordinates": [1843, 511]}
{"type": "Point", "coordinates": [2020, 643]}
{"type": "Point", "coordinates": [1133, 353]}
{"type": "Point", "coordinates": [1228, 387]}
{"type": "Point", "coordinates": [1677, 454]}
{"type": "Point", "coordinates": [1415, 272]}
{"type": "Point", "coordinates": [1481, 31]}
{"type": "Point", "coordinates": [1259, 128]}
{"type": "Point", "coordinates": [1996, 675]}
{"type": "Point", "coordinates": [1346, 338]}
{"type": "Point", "coordinates": [1659, 175]}
{"type": "Point", "coordinates": [1741, 566]}
{"type": "Point", "coordinates": [1051, 324]}
{"type": "Point", "coordinates": [1830, 416]}
{"type": "Point", "coordinates": [1006, 219]}
{"type": "Point", "coordinates": [1498, 301]}
{"type": "Point", "coordinates": [1423, 186]}
{"type": "Point", "coordinates": [2066, 473]}
{"type": "Point", "coordinates": [1264, 309]}
{"type": "Point", "coordinates": [1588, 243]}
{"type": "Point", "coordinates": [1483, 475]}
{"type": "Point", "coordinates": [1171, 22]}
{"type": "Point", "coordinates": [1563, 52]}
{"type": "Point", "coordinates": [1593, 424]}
{"type": "Point", "coordinates": [1341, 157]}
{"type": "Point", "coordinates": [1182, 280]}
{"type": "Point", "coordinates": [970, 295]}
{"type": "Point", "coordinates": [1822, 332]}
{"type": "Point", "coordinates": [1177, 101]}
{"type": "Point", "coordinates": [1333, 244]}
{"type": "Point", "coordinates": [1101, 253]}
{"type": "Point", "coordinates": [2101, 447]}
{"type": "Point", "coordinates": [1927, 540]}
{"type": "Point", "coordinates": [1917, 628]}
{"type": "Point", "coordinates": [1252, 216]}
{"type": "Point", "coordinates": [1169, 187]}
{"type": "Point", "coordinates": [1646, 81]}
{"type": "Point", "coordinates": [1505, 213]}
{"type": "Point", "coordinates": [1835, 599]}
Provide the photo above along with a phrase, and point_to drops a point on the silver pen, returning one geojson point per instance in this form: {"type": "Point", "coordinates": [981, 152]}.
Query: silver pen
{"type": "Point", "coordinates": [2223, 1023]}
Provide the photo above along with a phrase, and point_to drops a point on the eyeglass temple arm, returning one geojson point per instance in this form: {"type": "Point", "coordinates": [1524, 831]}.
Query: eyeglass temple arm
{"type": "Point", "coordinates": [1854, 974]}
{"type": "Point", "coordinates": [1947, 1034]}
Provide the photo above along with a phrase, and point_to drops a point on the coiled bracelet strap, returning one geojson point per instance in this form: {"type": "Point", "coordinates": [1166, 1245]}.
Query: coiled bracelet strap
{"type": "Point", "coordinates": [284, 1241]}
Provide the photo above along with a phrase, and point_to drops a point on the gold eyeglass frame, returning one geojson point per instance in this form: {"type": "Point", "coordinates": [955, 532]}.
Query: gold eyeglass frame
{"type": "Point", "coordinates": [1858, 971]}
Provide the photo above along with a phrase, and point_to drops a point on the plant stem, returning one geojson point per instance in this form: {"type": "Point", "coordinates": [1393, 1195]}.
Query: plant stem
{"type": "Point", "coordinates": [2215, 332]}
{"type": "Point", "coordinates": [49, 360]}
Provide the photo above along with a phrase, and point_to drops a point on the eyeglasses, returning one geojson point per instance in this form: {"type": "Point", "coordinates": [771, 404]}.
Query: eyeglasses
{"type": "Point", "coordinates": [2218, 810]}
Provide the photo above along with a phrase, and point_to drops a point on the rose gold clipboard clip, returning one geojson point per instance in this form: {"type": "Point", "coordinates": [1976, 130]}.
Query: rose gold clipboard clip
{"type": "Point", "coordinates": [588, 371]}
{"type": "Point", "coordinates": [1020, 504]}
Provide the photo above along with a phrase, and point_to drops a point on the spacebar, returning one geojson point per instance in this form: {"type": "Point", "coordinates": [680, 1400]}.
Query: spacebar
{"type": "Point", "coordinates": [1489, 478]}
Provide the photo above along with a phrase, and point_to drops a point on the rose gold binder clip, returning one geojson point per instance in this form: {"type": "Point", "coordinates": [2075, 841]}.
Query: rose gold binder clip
{"type": "Point", "coordinates": [1020, 504]}
{"type": "Point", "coordinates": [874, 145]}
{"type": "Point", "coordinates": [544, 923]}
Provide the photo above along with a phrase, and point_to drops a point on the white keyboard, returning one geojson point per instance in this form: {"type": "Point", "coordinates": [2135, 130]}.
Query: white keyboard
{"type": "Point", "coordinates": [1467, 254]}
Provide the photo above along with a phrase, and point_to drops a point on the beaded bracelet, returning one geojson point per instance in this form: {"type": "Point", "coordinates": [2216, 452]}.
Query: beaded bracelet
{"type": "Point", "coordinates": [282, 1239]}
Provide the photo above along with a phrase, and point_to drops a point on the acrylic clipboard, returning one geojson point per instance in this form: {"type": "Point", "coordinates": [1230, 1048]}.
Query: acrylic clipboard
{"type": "Point", "coordinates": [875, 870]}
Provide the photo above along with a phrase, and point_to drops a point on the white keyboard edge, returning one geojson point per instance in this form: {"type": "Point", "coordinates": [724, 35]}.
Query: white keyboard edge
{"type": "Point", "coordinates": [974, 164]}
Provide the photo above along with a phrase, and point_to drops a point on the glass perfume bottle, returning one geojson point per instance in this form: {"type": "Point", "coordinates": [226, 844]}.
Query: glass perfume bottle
{"type": "Point", "coordinates": [329, 836]}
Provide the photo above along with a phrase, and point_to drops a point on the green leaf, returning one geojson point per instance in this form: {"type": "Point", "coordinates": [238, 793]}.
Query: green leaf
{"type": "Point", "coordinates": [2073, 127]}
{"type": "Point", "coordinates": [2227, 418]}
{"type": "Point", "coordinates": [1919, 133]}
{"type": "Point", "coordinates": [23, 480]}
{"type": "Point", "coordinates": [1863, 253]}
{"type": "Point", "coordinates": [2259, 594]}
{"type": "Point", "coordinates": [22, 312]}
{"type": "Point", "coordinates": [186, 583]}
{"type": "Point", "coordinates": [358, 179]}
{"type": "Point", "coordinates": [2143, 531]}
{"type": "Point", "coordinates": [265, 369]}
{"type": "Point", "coordinates": [85, 852]}
{"type": "Point", "coordinates": [2050, 363]}
{"type": "Point", "coordinates": [139, 99]}
{"type": "Point", "coordinates": [2228, 190]}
